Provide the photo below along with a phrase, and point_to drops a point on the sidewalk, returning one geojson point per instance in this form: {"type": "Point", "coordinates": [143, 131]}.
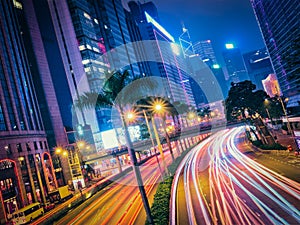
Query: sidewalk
{"type": "Point", "coordinates": [284, 157]}
{"type": "Point", "coordinates": [284, 139]}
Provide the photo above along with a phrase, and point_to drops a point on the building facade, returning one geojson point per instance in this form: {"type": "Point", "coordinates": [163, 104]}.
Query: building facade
{"type": "Point", "coordinates": [258, 66]}
{"type": "Point", "coordinates": [27, 173]}
{"type": "Point", "coordinates": [234, 64]}
{"type": "Point", "coordinates": [206, 52]}
{"type": "Point", "coordinates": [279, 25]}
{"type": "Point", "coordinates": [165, 57]}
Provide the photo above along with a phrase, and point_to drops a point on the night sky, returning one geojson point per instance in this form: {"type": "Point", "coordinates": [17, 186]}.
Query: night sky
{"type": "Point", "coordinates": [220, 21]}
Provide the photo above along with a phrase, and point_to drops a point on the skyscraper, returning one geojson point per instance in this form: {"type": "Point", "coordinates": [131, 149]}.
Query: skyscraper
{"type": "Point", "coordinates": [258, 65]}
{"type": "Point", "coordinates": [102, 35]}
{"type": "Point", "coordinates": [26, 171]}
{"type": "Point", "coordinates": [279, 25]}
{"type": "Point", "coordinates": [166, 58]}
{"type": "Point", "coordinates": [206, 52]}
{"type": "Point", "coordinates": [234, 64]}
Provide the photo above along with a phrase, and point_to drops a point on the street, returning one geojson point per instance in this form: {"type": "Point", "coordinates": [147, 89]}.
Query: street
{"type": "Point", "coordinates": [219, 184]}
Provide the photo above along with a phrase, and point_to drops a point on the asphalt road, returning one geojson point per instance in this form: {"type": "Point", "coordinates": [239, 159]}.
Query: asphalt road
{"type": "Point", "coordinates": [222, 185]}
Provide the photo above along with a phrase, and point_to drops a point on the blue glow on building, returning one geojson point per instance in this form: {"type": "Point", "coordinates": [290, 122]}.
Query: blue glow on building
{"type": "Point", "coordinates": [159, 27]}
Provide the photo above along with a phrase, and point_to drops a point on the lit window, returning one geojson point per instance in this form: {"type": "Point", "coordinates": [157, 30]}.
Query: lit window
{"type": "Point", "coordinates": [105, 26]}
{"type": "Point", "coordinates": [87, 15]}
{"type": "Point", "coordinates": [88, 46]}
{"type": "Point", "coordinates": [81, 47]}
{"type": "Point", "coordinates": [96, 21]}
{"type": "Point", "coordinates": [96, 49]}
{"type": "Point", "coordinates": [86, 61]}
{"type": "Point", "coordinates": [87, 69]}
{"type": "Point", "coordinates": [17, 4]}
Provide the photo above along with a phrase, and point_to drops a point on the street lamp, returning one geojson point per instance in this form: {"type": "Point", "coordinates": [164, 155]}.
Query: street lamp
{"type": "Point", "coordinates": [150, 133]}
{"type": "Point", "coordinates": [288, 121]}
{"type": "Point", "coordinates": [159, 108]}
{"type": "Point", "coordinates": [135, 167]}
{"type": "Point", "coordinates": [60, 151]}
{"type": "Point", "coordinates": [131, 116]}
{"type": "Point", "coordinates": [285, 114]}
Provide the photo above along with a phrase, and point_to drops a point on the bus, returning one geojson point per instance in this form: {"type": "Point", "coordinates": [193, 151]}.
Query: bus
{"type": "Point", "coordinates": [27, 214]}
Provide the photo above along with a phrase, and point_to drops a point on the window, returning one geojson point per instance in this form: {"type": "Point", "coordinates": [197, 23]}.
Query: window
{"type": "Point", "coordinates": [8, 149]}
{"type": "Point", "coordinates": [28, 147]}
{"type": "Point", "coordinates": [45, 144]}
{"type": "Point", "coordinates": [19, 147]}
{"type": "Point", "coordinates": [35, 145]}
{"type": "Point", "coordinates": [41, 145]}
{"type": "Point", "coordinates": [87, 15]}
{"type": "Point", "coordinates": [81, 47]}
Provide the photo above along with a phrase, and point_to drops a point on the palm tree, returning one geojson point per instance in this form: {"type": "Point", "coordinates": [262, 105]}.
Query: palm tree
{"type": "Point", "coordinates": [182, 110]}
{"type": "Point", "coordinates": [145, 106]}
{"type": "Point", "coordinates": [119, 91]}
{"type": "Point", "coordinates": [169, 109]}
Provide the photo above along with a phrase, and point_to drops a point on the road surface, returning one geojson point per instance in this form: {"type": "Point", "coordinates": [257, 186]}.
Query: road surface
{"type": "Point", "coordinates": [218, 184]}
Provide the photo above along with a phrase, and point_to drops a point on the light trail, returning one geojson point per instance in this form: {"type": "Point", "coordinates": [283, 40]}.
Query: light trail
{"type": "Point", "coordinates": [240, 190]}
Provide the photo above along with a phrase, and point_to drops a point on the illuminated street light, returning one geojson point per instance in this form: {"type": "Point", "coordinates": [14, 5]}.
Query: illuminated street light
{"type": "Point", "coordinates": [159, 108]}
{"type": "Point", "coordinates": [58, 150]}
{"type": "Point", "coordinates": [150, 133]}
{"type": "Point", "coordinates": [135, 167]}
{"type": "Point", "coordinates": [80, 144]}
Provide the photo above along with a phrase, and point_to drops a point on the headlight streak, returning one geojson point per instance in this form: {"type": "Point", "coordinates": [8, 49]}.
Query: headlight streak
{"type": "Point", "coordinates": [203, 205]}
{"type": "Point", "coordinates": [241, 191]}
{"type": "Point", "coordinates": [183, 166]}
{"type": "Point", "coordinates": [281, 202]}
{"type": "Point", "coordinates": [286, 205]}
{"type": "Point", "coordinates": [290, 186]}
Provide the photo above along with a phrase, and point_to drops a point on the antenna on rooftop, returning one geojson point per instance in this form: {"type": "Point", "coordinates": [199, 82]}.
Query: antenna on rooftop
{"type": "Point", "coordinates": [185, 42]}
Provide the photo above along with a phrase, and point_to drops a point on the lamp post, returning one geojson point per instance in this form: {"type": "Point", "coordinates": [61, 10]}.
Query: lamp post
{"type": "Point", "coordinates": [159, 145]}
{"type": "Point", "coordinates": [286, 116]}
{"type": "Point", "coordinates": [150, 133]}
{"type": "Point", "coordinates": [159, 109]}
{"type": "Point", "coordinates": [135, 167]}
{"type": "Point", "coordinates": [59, 151]}
{"type": "Point", "coordinates": [288, 122]}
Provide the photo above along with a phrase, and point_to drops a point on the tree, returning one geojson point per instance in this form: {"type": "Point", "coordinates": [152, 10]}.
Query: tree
{"type": "Point", "coordinates": [147, 105]}
{"type": "Point", "coordinates": [243, 101]}
{"type": "Point", "coordinates": [119, 90]}
{"type": "Point", "coordinates": [181, 108]}
{"type": "Point", "coordinates": [274, 107]}
{"type": "Point", "coordinates": [202, 112]}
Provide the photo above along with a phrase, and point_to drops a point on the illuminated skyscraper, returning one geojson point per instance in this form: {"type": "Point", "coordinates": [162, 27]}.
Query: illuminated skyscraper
{"type": "Point", "coordinates": [26, 171]}
{"type": "Point", "coordinates": [279, 24]}
{"type": "Point", "coordinates": [102, 35]}
{"type": "Point", "coordinates": [166, 58]}
{"type": "Point", "coordinates": [206, 52]}
{"type": "Point", "coordinates": [258, 65]}
{"type": "Point", "coordinates": [234, 64]}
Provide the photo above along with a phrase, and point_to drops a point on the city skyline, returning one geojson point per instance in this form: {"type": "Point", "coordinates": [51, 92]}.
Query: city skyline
{"type": "Point", "coordinates": [109, 114]}
{"type": "Point", "coordinates": [219, 21]}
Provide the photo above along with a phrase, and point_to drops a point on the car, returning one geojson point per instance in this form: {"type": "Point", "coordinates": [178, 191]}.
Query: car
{"type": "Point", "coordinates": [48, 206]}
